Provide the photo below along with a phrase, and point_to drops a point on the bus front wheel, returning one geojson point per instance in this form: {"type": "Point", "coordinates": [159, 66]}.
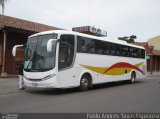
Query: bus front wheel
{"type": "Point", "coordinates": [84, 83]}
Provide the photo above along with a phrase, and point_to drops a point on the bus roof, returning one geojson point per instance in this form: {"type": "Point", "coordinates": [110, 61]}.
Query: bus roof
{"type": "Point", "coordinates": [88, 36]}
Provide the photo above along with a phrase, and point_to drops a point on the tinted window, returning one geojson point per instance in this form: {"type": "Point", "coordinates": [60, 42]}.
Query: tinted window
{"type": "Point", "coordinates": [125, 51]}
{"type": "Point", "coordinates": [86, 45]}
{"type": "Point", "coordinates": [106, 48]}
{"type": "Point", "coordinates": [112, 48]}
{"type": "Point", "coordinates": [118, 49]}
{"type": "Point", "coordinates": [131, 52]}
{"type": "Point", "coordinates": [93, 46]}
{"type": "Point", "coordinates": [142, 53]}
{"type": "Point", "coordinates": [66, 51]}
{"type": "Point", "coordinates": [138, 53]}
{"type": "Point", "coordinates": [99, 46]}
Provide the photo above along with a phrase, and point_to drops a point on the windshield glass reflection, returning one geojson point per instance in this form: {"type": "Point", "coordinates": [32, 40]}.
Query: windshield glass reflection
{"type": "Point", "coordinates": [36, 56]}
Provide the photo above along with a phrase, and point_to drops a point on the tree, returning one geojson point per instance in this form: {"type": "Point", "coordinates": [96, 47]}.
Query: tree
{"type": "Point", "coordinates": [124, 38]}
{"type": "Point", "coordinates": [2, 3]}
{"type": "Point", "coordinates": [129, 39]}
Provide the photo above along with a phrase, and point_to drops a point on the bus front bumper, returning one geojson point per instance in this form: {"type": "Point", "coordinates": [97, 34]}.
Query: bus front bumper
{"type": "Point", "coordinates": [50, 83]}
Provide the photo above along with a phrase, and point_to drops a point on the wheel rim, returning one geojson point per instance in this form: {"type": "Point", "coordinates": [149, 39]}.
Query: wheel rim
{"type": "Point", "coordinates": [84, 82]}
{"type": "Point", "coordinates": [133, 78]}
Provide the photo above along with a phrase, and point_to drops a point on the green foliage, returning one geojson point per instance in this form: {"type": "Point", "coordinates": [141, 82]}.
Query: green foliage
{"type": "Point", "coordinates": [129, 39]}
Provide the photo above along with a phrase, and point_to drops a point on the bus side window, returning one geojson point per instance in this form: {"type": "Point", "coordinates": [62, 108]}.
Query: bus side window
{"type": "Point", "coordinates": [125, 51]}
{"type": "Point", "coordinates": [128, 49]}
{"type": "Point", "coordinates": [131, 52]}
{"type": "Point", "coordinates": [91, 46]}
{"type": "Point", "coordinates": [98, 46]}
{"type": "Point", "coordinates": [81, 47]}
{"type": "Point", "coordinates": [118, 50]}
{"type": "Point", "coordinates": [134, 52]}
{"type": "Point", "coordinates": [86, 45]}
{"type": "Point", "coordinates": [106, 48]}
{"type": "Point", "coordinates": [66, 51]}
{"type": "Point", "coordinates": [112, 48]}
{"type": "Point", "coordinates": [139, 53]}
{"type": "Point", "coordinates": [142, 53]}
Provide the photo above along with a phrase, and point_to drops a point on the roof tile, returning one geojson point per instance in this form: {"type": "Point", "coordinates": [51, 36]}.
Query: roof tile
{"type": "Point", "coordinates": [7, 21]}
{"type": "Point", "coordinates": [147, 48]}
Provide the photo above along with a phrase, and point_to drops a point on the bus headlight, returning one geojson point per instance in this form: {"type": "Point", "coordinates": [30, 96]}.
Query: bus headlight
{"type": "Point", "coordinates": [48, 77]}
{"type": "Point", "coordinates": [42, 79]}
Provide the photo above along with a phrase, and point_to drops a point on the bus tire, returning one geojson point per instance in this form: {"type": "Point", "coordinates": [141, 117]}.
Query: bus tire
{"type": "Point", "coordinates": [133, 77]}
{"type": "Point", "coordinates": [84, 83]}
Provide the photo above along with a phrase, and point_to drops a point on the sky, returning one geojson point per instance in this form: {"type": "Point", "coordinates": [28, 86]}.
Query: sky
{"type": "Point", "coordinates": [118, 17]}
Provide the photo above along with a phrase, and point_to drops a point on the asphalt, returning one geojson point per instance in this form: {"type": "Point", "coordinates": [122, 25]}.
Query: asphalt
{"type": "Point", "coordinates": [10, 85]}
{"type": "Point", "coordinates": [141, 97]}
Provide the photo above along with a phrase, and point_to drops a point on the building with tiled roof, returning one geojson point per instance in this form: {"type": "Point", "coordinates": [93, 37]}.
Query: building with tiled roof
{"type": "Point", "coordinates": [155, 42]}
{"type": "Point", "coordinates": [156, 52]}
{"type": "Point", "coordinates": [15, 31]}
{"type": "Point", "coordinates": [11, 22]}
{"type": "Point", "coordinates": [146, 46]}
{"type": "Point", "coordinates": [153, 56]}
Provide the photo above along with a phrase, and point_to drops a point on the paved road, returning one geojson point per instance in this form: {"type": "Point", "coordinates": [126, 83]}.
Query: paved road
{"type": "Point", "coordinates": [143, 96]}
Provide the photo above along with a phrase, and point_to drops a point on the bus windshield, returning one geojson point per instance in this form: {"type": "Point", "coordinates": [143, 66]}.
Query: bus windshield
{"type": "Point", "coordinates": [37, 59]}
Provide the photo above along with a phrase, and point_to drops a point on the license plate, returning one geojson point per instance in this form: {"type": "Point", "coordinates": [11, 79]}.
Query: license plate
{"type": "Point", "coordinates": [34, 84]}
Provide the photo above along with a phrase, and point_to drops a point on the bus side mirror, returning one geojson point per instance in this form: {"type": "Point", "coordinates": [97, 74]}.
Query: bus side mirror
{"type": "Point", "coordinates": [49, 44]}
{"type": "Point", "coordinates": [14, 49]}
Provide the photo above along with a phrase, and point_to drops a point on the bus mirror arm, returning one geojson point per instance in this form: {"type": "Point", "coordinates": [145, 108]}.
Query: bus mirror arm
{"type": "Point", "coordinates": [49, 45]}
{"type": "Point", "coordinates": [15, 48]}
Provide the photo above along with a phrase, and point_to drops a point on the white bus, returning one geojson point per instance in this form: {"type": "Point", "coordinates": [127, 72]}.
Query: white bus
{"type": "Point", "coordinates": [64, 59]}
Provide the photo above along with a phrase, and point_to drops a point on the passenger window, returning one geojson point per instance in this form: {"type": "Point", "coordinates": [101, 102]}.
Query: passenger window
{"type": "Point", "coordinates": [66, 51]}
{"type": "Point", "coordinates": [142, 53]}
{"type": "Point", "coordinates": [125, 51]}
{"type": "Point", "coordinates": [135, 53]}
{"type": "Point", "coordinates": [139, 53]}
{"type": "Point", "coordinates": [86, 45]}
{"type": "Point", "coordinates": [80, 46]}
{"type": "Point", "coordinates": [131, 52]}
{"type": "Point", "coordinates": [117, 49]}
{"type": "Point", "coordinates": [99, 46]}
{"type": "Point", "coordinates": [112, 48]}
{"type": "Point", "coordinates": [106, 48]}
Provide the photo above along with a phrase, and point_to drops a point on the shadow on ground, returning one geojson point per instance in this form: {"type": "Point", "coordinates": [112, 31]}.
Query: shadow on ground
{"type": "Point", "coordinates": [75, 90]}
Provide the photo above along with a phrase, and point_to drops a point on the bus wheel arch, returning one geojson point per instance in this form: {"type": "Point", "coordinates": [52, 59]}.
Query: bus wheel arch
{"type": "Point", "coordinates": [133, 77]}
{"type": "Point", "coordinates": [85, 81]}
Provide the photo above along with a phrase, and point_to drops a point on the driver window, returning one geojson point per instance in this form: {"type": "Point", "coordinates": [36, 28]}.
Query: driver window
{"type": "Point", "coordinates": [66, 51]}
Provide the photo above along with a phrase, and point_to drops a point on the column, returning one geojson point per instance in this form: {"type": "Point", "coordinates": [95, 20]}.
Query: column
{"type": "Point", "coordinates": [155, 63]}
{"type": "Point", "coordinates": [152, 48]}
{"type": "Point", "coordinates": [151, 59]}
{"type": "Point", "coordinates": [4, 74]}
{"type": "Point", "coordinates": [158, 63]}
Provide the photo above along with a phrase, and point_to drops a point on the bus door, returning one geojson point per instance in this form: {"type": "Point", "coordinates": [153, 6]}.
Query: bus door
{"type": "Point", "coordinates": [65, 60]}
